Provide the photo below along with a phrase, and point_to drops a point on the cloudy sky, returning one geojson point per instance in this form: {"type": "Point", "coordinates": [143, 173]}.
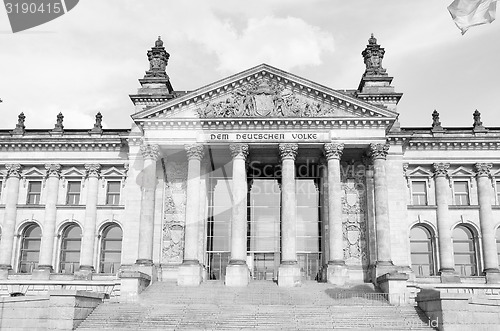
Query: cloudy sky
{"type": "Point", "coordinates": [89, 60]}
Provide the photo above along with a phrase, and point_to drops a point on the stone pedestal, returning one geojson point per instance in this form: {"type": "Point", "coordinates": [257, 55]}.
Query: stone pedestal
{"type": "Point", "coordinates": [132, 284]}
{"type": "Point", "coordinates": [381, 268]}
{"type": "Point", "coordinates": [449, 276]}
{"type": "Point", "coordinates": [41, 273]}
{"type": "Point", "coordinates": [190, 275]}
{"type": "Point", "coordinates": [336, 274]}
{"type": "Point", "coordinates": [84, 273]}
{"type": "Point", "coordinates": [394, 284]}
{"type": "Point", "coordinates": [289, 275]}
{"type": "Point", "coordinates": [148, 269]}
{"type": "Point", "coordinates": [237, 275]}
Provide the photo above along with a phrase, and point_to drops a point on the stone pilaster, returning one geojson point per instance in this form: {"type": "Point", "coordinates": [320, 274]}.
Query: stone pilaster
{"type": "Point", "coordinates": [447, 265]}
{"type": "Point", "coordinates": [336, 268]}
{"type": "Point", "coordinates": [150, 154]}
{"type": "Point", "coordinates": [237, 273]}
{"type": "Point", "coordinates": [486, 220]}
{"type": "Point", "coordinates": [378, 154]}
{"type": "Point", "coordinates": [89, 230]}
{"type": "Point", "coordinates": [9, 225]}
{"type": "Point", "coordinates": [49, 223]}
{"type": "Point", "coordinates": [190, 272]}
{"type": "Point", "coordinates": [289, 270]}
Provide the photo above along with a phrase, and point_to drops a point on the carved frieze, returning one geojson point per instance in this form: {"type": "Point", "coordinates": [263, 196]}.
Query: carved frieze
{"type": "Point", "coordinates": [174, 213]}
{"type": "Point", "coordinates": [264, 99]}
{"type": "Point", "coordinates": [354, 216]}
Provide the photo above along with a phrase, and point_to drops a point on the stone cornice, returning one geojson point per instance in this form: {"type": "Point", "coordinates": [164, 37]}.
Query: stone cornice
{"type": "Point", "coordinates": [266, 123]}
{"type": "Point", "coordinates": [76, 144]}
{"type": "Point", "coordinates": [297, 84]}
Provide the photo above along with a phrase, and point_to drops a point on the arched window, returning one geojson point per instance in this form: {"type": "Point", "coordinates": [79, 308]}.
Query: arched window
{"type": "Point", "coordinates": [422, 251]}
{"type": "Point", "coordinates": [111, 249]}
{"type": "Point", "coordinates": [71, 241]}
{"type": "Point", "coordinates": [498, 245]}
{"type": "Point", "coordinates": [464, 250]}
{"type": "Point", "coordinates": [30, 248]}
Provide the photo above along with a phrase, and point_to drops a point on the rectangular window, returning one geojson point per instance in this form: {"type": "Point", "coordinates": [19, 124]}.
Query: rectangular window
{"type": "Point", "coordinates": [113, 193]}
{"type": "Point", "coordinates": [419, 193]}
{"type": "Point", "coordinates": [498, 194]}
{"type": "Point", "coordinates": [34, 192]}
{"type": "Point", "coordinates": [461, 193]}
{"type": "Point", "coordinates": [73, 193]}
{"type": "Point", "coordinates": [1, 186]}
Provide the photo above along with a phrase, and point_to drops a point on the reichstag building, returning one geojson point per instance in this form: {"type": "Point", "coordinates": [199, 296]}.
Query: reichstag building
{"type": "Point", "coordinates": [260, 176]}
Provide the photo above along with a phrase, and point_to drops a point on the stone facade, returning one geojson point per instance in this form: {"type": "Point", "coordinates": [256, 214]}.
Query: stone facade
{"type": "Point", "coordinates": [143, 199]}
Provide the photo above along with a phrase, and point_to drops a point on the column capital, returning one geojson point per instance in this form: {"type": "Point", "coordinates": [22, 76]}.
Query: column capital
{"type": "Point", "coordinates": [288, 151]}
{"type": "Point", "coordinates": [239, 150]}
{"type": "Point", "coordinates": [150, 151]}
{"type": "Point", "coordinates": [441, 169]}
{"type": "Point", "coordinates": [93, 169]}
{"type": "Point", "coordinates": [333, 151]}
{"type": "Point", "coordinates": [53, 170]}
{"type": "Point", "coordinates": [13, 170]}
{"type": "Point", "coordinates": [195, 151]}
{"type": "Point", "coordinates": [483, 169]}
{"type": "Point", "coordinates": [378, 151]}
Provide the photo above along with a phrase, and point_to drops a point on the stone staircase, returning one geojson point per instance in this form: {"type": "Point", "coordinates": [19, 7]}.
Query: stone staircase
{"type": "Point", "coordinates": [261, 305]}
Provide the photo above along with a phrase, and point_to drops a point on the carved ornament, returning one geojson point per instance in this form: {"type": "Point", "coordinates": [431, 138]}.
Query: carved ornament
{"type": "Point", "coordinates": [288, 151]}
{"type": "Point", "coordinates": [150, 152]}
{"type": "Point", "coordinates": [13, 170]}
{"type": "Point", "coordinates": [441, 169]}
{"type": "Point", "coordinates": [379, 151]}
{"type": "Point", "coordinates": [483, 169]}
{"type": "Point", "coordinates": [333, 151]}
{"type": "Point", "coordinates": [195, 151]}
{"type": "Point", "coordinates": [264, 99]}
{"type": "Point", "coordinates": [93, 170]}
{"type": "Point", "coordinates": [239, 150]}
{"type": "Point", "coordinates": [53, 170]}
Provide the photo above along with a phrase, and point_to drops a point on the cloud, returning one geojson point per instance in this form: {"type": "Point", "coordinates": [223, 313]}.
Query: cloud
{"type": "Point", "coordinates": [286, 42]}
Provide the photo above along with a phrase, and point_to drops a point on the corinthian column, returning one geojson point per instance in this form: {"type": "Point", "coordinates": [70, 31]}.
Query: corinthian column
{"type": "Point", "coordinates": [89, 230]}
{"type": "Point", "coordinates": [336, 269]}
{"type": "Point", "coordinates": [289, 270]}
{"type": "Point", "coordinates": [378, 154]}
{"type": "Point", "coordinates": [150, 154]}
{"type": "Point", "coordinates": [12, 194]}
{"type": "Point", "coordinates": [237, 273]}
{"type": "Point", "coordinates": [486, 221]}
{"type": "Point", "coordinates": [49, 222]}
{"type": "Point", "coordinates": [447, 265]}
{"type": "Point", "coordinates": [190, 272]}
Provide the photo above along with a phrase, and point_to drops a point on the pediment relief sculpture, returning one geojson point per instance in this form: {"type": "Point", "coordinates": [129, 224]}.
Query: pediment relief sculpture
{"type": "Point", "coordinates": [265, 99]}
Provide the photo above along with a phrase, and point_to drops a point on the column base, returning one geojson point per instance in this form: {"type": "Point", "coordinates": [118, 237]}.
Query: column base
{"type": "Point", "coordinates": [289, 275]}
{"type": "Point", "coordinates": [84, 273]}
{"type": "Point", "coordinates": [190, 274]}
{"type": "Point", "coordinates": [449, 276]}
{"type": "Point", "coordinates": [237, 275]}
{"type": "Point", "coordinates": [42, 272]}
{"type": "Point", "coordinates": [336, 273]}
{"type": "Point", "coordinates": [492, 276]}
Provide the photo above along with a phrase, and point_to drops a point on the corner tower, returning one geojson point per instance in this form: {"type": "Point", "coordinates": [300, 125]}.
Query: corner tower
{"type": "Point", "coordinates": [155, 86]}
{"type": "Point", "coordinates": [375, 85]}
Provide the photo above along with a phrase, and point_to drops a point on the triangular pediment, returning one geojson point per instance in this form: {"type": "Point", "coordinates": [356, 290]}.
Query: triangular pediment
{"type": "Point", "coordinates": [72, 172]}
{"type": "Point", "coordinates": [112, 172]}
{"type": "Point", "coordinates": [462, 172]}
{"type": "Point", "coordinates": [419, 172]}
{"type": "Point", "coordinates": [265, 92]}
{"type": "Point", "coordinates": [33, 172]}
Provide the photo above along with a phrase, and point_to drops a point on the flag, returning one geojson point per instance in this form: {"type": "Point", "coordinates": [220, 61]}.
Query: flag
{"type": "Point", "coordinates": [467, 13]}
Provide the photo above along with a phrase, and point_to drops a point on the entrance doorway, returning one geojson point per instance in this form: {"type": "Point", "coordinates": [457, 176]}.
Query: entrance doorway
{"type": "Point", "coordinates": [264, 266]}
